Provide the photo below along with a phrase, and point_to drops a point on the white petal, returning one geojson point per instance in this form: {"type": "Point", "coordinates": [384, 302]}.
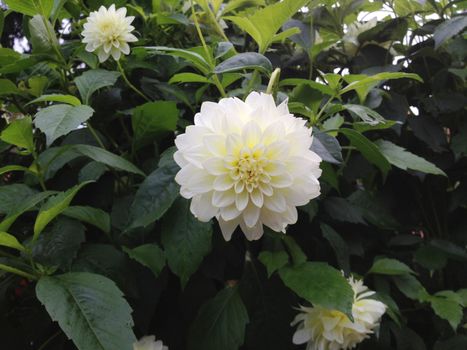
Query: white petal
{"type": "Point", "coordinates": [251, 134]}
{"type": "Point", "coordinates": [227, 227]}
{"type": "Point", "coordinates": [215, 166]}
{"type": "Point", "coordinates": [257, 197]}
{"type": "Point", "coordinates": [241, 200]}
{"type": "Point", "coordinates": [229, 213]}
{"type": "Point", "coordinates": [301, 336]}
{"type": "Point", "coordinates": [223, 183]}
{"type": "Point", "coordinates": [251, 215]}
{"type": "Point", "coordinates": [202, 208]}
{"type": "Point", "coordinates": [252, 233]}
{"type": "Point", "coordinates": [223, 199]}
{"type": "Point", "coordinates": [276, 203]}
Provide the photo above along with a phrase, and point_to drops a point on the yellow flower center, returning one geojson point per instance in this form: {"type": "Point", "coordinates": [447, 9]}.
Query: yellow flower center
{"type": "Point", "coordinates": [248, 169]}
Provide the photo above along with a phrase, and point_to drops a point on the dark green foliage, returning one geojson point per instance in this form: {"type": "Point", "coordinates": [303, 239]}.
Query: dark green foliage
{"type": "Point", "coordinates": [92, 225]}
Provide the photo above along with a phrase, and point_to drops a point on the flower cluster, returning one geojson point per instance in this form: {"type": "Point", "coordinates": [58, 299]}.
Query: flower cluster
{"type": "Point", "coordinates": [149, 343]}
{"type": "Point", "coordinates": [247, 163]}
{"type": "Point", "coordinates": [108, 32]}
{"type": "Point", "coordinates": [325, 329]}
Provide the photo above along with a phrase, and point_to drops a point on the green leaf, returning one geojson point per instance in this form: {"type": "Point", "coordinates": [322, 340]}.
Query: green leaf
{"type": "Point", "coordinates": [430, 257]}
{"type": "Point", "coordinates": [31, 7]}
{"type": "Point", "coordinates": [297, 254]}
{"type": "Point", "coordinates": [447, 309]}
{"type": "Point", "coordinates": [393, 267]}
{"type": "Point", "coordinates": [91, 171]}
{"type": "Point", "coordinates": [7, 87]}
{"type": "Point", "coordinates": [411, 287]}
{"type": "Point", "coordinates": [90, 215]}
{"type": "Point", "coordinates": [153, 119]}
{"type": "Point", "coordinates": [59, 120]}
{"type": "Point", "coordinates": [327, 147]}
{"type": "Point", "coordinates": [368, 149]}
{"type": "Point", "coordinates": [189, 78]}
{"type": "Point", "coordinates": [69, 99]}
{"type": "Point", "coordinates": [311, 83]}
{"type": "Point", "coordinates": [90, 309]}
{"type": "Point", "coordinates": [58, 245]}
{"type": "Point", "coordinates": [186, 240]}
{"type": "Point", "coordinates": [320, 284]}
{"type": "Point", "coordinates": [10, 241]}
{"type": "Point", "coordinates": [155, 196]}
{"type": "Point", "coordinates": [273, 260]}
{"type": "Point", "coordinates": [93, 80]}
{"type": "Point", "coordinates": [43, 37]}
{"type": "Point", "coordinates": [341, 210]}
{"type": "Point", "coordinates": [404, 160]}
{"type": "Point", "coordinates": [220, 323]}
{"type": "Point", "coordinates": [462, 293]}
{"type": "Point", "coordinates": [362, 84]}
{"type": "Point", "coordinates": [263, 25]}
{"type": "Point", "coordinates": [367, 115]}
{"type": "Point", "coordinates": [149, 255]}
{"type": "Point", "coordinates": [21, 208]}
{"type": "Point", "coordinates": [11, 196]}
{"type": "Point", "coordinates": [107, 158]}
{"type": "Point", "coordinates": [340, 247]}
{"type": "Point", "coordinates": [448, 29]}
{"type": "Point", "coordinates": [246, 60]}
{"type": "Point", "coordinates": [195, 58]}
{"type": "Point", "coordinates": [53, 207]}
{"type": "Point", "coordinates": [19, 133]}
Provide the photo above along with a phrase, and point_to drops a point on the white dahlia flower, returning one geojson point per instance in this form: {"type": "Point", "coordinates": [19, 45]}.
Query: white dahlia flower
{"type": "Point", "coordinates": [325, 329]}
{"type": "Point", "coordinates": [108, 32]}
{"type": "Point", "coordinates": [149, 343]}
{"type": "Point", "coordinates": [247, 163]}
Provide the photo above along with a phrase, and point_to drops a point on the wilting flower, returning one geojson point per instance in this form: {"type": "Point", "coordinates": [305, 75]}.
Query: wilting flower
{"type": "Point", "coordinates": [108, 32]}
{"type": "Point", "coordinates": [325, 329]}
{"type": "Point", "coordinates": [149, 343]}
{"type": "Point", "coordinates": [247, 163]}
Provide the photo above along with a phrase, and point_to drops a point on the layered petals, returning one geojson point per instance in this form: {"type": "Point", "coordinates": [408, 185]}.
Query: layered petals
{"type": "Point", "coordinates": [324, 329]}
{"type": "Point", "coordinates": [247, 163]}
{"type": "Point", "coordinates": [108, 32]}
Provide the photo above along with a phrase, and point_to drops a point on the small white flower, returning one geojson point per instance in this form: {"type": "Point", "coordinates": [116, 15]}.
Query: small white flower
{"type": "Point", "coordinates": [149, 343]}
{"type": "Point", "coordinates": [325, 329]}
{"type": "Point", "coordinates": [108, 32]}
{"type": "Point", "coordinates": [247, 163]}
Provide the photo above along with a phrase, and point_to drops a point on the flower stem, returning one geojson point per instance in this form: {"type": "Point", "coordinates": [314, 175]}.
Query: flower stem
{"type": "Point", "coordinates": [134, 88]}
{"type": "Point", "coordinates": [206, 50]}
{"type": "Point", "coordinates": [95, 135]}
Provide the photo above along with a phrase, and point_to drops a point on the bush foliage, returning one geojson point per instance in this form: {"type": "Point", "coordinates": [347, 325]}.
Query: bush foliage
{"type": "Point", "coordinates": [97, 246]}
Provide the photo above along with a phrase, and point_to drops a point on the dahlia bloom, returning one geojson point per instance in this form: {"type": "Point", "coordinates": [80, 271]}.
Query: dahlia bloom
{"type": "Point", "coordinates": [108, 32]}
{"type": "Point", "coordinates": [325, 329]}
{"type": "Point", "coordinates": [149, 343]}
{"type": "Point", "coordinates": [248, 164]}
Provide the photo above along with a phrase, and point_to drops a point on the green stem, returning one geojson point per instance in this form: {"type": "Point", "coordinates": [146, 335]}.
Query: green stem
{"type": "Point", "coordinates": [40, 173]}
{"type": "Point", "coordinates": [322, 110]}
{"type": "Point", "coordinates": [95, 135]}
{"type": "Point", "coordinates": [50, 340]}
{"type": "Point", "coordinates": [18, 272]}
{"type": "Point", "coordinates": [206, 50]}
{"type": "Point", "coordinates": [218, 28]}
{"type": "Point", "coordinates": [130, 85]}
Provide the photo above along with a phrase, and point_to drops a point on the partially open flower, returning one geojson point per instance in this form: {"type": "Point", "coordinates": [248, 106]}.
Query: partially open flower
{"type": "Point", "coordinates": [149, 343]}
{"type": "Point", "coordinates": [108, 32]}
{"type": "Point", "coordinates": [248, 164]}
{"type": "Point", "coordinates": [325, 329]}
